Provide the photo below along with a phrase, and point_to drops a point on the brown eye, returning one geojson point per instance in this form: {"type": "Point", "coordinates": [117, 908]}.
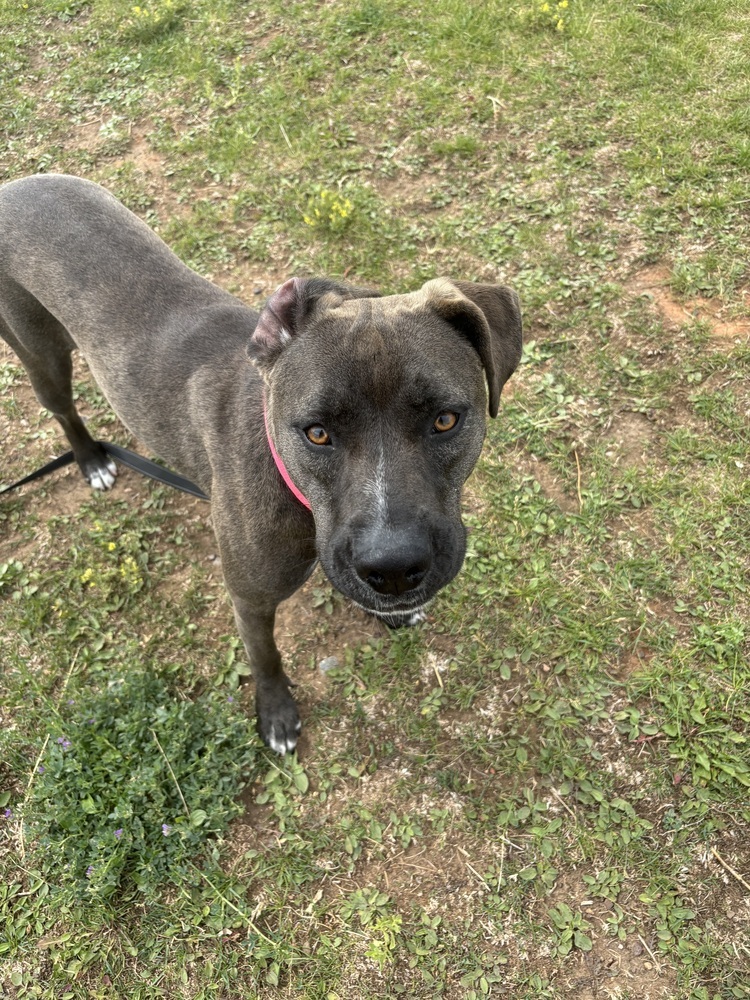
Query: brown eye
{"type": "Point", "coordinates": [445, 422]}
{"type": "Point", "coordinates": [317, 435]}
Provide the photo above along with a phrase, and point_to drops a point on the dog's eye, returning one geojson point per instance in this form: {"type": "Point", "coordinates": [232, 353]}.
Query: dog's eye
{"type": "Point", "coordinates": [445, 422]}
{"type": "Point", "coordinates": [317, 435]}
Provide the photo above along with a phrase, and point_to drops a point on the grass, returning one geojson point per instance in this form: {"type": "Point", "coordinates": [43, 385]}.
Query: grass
{"type": "Point", "coordinates": [543, 791]}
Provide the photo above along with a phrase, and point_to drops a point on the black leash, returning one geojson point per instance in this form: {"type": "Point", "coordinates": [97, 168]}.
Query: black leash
{"type": "Point", "coordinates": [136, 462]}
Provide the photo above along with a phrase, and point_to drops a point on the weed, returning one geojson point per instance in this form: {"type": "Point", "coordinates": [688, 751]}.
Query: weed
{"type": "Point", "coordinates": [147, 24]}
{"type": "Point", "coordinates": [328, 211]}
{"type": "Point", "coordinates": [570, 929]}
{"type": "Point", "coordinates": [130, 782]}
{"type": "Point", "coordinates": [545, 16]}
{"type": "Point", "coordinates": [381, 926]}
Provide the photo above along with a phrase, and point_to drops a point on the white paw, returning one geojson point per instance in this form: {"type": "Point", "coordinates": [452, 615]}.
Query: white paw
{"type": "Point", "coordinates": [282, 746]}
{"type": "Point", "coordinates": [104, 477]}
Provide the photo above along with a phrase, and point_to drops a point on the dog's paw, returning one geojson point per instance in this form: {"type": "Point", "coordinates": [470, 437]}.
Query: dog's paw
{"type": "Point", "coordinates": [100, 473]}
{"type": "Point", "coordinates": [278, 721]}
{"type": "Point", "coordinates": [284, 742]}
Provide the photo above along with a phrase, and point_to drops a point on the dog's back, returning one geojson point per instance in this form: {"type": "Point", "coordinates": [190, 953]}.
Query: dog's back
{"type": "Point", "coordinates": [89, 261]}
{"type": "Point", "coordinates": [79, 270]}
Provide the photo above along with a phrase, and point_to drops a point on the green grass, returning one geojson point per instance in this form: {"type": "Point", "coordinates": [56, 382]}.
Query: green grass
{"type": "Point", "coordinates": [543, 791]}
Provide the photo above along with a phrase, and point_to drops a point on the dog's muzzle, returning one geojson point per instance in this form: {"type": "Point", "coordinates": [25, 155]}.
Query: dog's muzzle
{"type": "Point", "coordinates": [392, 563]}
{"type": "Point", "coordinates": [393, 570]}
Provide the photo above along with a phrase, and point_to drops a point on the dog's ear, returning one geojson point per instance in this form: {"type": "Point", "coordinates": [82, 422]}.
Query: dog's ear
{"type": "Point", "coordinates": [278, 323]}
{"type": "Point", "coordinates": [284, 315]}
{"type": "Point", "coordinates": [489, 316]}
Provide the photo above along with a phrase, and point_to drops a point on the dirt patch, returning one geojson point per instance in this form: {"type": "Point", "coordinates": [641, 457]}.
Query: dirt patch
{"type": "Point", "coordinates": [409, 192]}
{"type": "Point", "coordinates": [630, 663]}
{"type": "Point", "coordinates": [632, 438]}
{"type": "Point", "coordinates": [251, 283]}
{"type": "Point", "coordinates": [653, 283]}
{"type": "Point", "coordinates": [306, 634]}
{"type": "Point", "coordinates": [551, 483]}
{"type": "Point", "coordinates": [431, 874]}
{"type": "Point", "coordinates": [144, 158]}
{"type": "Point", "coordinates": [617, 969]}
{"type": "Point", "coordinates": [614, 966]}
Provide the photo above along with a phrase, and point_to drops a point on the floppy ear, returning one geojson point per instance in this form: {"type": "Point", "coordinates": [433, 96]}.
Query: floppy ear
{"type": "Point", "coordinates": [284, 315]}
{"type": "Point", "coordinates": [489, 316]}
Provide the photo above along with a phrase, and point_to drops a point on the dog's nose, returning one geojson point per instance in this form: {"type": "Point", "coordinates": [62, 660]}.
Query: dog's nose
{"type": "Point", "coordinates": [393, 565]}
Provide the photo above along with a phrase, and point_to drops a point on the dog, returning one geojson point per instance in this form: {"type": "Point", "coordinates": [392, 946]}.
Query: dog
{"type": "Point", "coordinates": [336, 425]}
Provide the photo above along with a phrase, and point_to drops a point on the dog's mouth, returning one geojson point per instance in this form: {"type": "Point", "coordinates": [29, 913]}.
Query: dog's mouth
{"type": "Point", "coordinates": [389, 608]}
{"type": "Point", "coordinates": [385, 606]}
{"type": "Point", "coordinates": [401, 619]}
{"type": "Point", "coordinates": [415, 610]}
{"type": "Point", "coordinates": [394, 575]}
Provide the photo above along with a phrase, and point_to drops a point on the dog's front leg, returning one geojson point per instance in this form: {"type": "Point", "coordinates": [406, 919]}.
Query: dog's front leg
{"type": "Point", "coordinates": [278, 720]}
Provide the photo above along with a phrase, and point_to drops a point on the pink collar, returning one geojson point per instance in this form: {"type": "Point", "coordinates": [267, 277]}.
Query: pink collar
{"type": "Point", "coordinates": [280, 465]}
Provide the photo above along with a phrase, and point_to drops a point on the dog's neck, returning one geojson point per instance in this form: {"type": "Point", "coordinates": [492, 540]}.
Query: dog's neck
{"type": "Point", "coordinates": [280, 464]}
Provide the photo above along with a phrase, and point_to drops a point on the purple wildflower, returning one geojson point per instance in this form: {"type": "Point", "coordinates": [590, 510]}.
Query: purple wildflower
{"type": "Point", "coordinates": [118, 833]}
{"type": "Point", "coordinates": [89, 871]}
{"type": "Point", "coordinates": [230, 699]}
{"type": "Point", "coordinates": [8, 814]}
{"type": "Point", "coordinates": [40, 769]}
{"type": "Point", "coordinates": [166, 829]}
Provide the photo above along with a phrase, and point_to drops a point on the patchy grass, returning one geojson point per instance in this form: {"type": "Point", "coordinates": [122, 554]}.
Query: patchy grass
{"type": "Point", "coordinates": [543, 791]}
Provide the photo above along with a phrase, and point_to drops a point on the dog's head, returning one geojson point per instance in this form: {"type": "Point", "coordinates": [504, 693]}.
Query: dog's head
{"type": "Point", "coordinates": [377, 408]}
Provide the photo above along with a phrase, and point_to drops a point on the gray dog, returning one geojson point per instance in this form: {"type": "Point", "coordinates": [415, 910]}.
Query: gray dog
{"type": "Point", "coordinates": [335, 425]}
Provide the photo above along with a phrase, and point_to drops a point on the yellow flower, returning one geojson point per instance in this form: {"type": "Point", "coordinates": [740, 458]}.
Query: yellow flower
{"type": "Point", "coordinates": [129, 571]}
{"type": "Point", "coordinates": [111, 546]}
